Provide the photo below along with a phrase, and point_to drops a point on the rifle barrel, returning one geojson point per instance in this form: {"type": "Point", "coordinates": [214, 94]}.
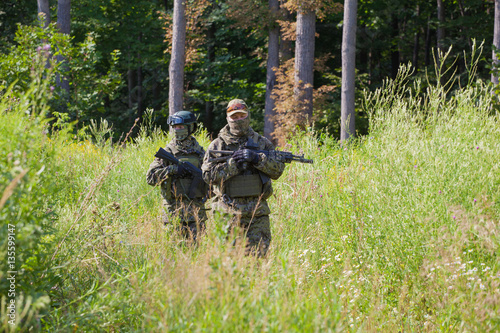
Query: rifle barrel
{"type": "Point", "coordinates": [223, 152]}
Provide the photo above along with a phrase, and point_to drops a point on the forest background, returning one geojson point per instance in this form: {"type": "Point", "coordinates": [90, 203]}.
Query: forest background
{"type": "Point", "coordinates": [397, 231]}
{"type": "Point", "coordinates": [117, 55]}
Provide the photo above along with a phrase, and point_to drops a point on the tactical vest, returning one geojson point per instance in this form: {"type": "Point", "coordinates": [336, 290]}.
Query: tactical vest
{"type": "Point", "coordinates": [244, 186]}
{"type": "Point", "coordinates": [182, 186]}
{"type": "Point", "coordinates": [249, 184]}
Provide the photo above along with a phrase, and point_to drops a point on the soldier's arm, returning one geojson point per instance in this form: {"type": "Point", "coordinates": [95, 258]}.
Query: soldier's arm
{"type": "Point", "coordinates": [216, 172]}
{"type": "Point", "coordinates": [268, 165]}
{"type": "Point", "coordinates": [159, 171]}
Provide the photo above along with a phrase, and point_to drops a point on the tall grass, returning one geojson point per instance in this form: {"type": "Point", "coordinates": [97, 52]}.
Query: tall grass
{"type": "Point", "coordinates": [398, 231]}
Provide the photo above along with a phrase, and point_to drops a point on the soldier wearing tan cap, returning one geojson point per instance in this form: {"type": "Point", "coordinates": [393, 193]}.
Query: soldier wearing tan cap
{"type": "Point", "coordinates": [242, 183]}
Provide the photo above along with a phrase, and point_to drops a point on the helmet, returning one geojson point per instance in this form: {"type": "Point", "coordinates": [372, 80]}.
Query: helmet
{"type": "Point", "coordinates": [184, 118]}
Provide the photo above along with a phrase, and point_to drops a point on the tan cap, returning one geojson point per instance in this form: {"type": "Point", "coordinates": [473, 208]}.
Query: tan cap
{"type": "Point", "coordinates": [236, 106]}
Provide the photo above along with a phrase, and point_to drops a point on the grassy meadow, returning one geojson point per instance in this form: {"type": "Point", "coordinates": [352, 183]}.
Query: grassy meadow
{"type": "Point", "coordinates": [397, 232]}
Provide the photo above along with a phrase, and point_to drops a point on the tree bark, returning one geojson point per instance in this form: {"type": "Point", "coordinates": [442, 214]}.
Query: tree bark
{"type": "Point", "coordinates": [140, 107]}
{"type": "Point", "coordinates": [464, 29]}
{"type": "Point", "coordinates": [416, 44]}
{"type": "Point", "coordinates": [131, 87]}
{"type": "Point", "coordinates": [304, 61]}
{"type": "Point", "coordinates": [440, 29]}
{"type": "Point", "coordinates": [395, 47]}
{"type": "Point", "coordinates": [286, 45]}
{"type": "Point", "coordinates": [347, 123]}
{"type": "Point", "coordinates": [64, 25]}
{"type": "Point", "coordinates": [176, 67]}
{"type": "Point", "coordinates": [427, 56]}
{"type": "Point", "coordinates": [496, 39]}
{"type": "Point", "coordinates": [64, 16]}
{"type": "Point", "coordinates": [156, 88]}
{"type": "Point", "coordinates": [273, 63]}
{"type": "Point", "coordinates": [43, 7]}
{"type": "Point", "coordinates": [209, 105]}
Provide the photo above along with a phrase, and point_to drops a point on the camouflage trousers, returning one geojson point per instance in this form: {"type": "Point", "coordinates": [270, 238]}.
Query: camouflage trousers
{"type": "Point", "coordinates": [248, 218]}
{"type": "Point", "coordinates": [189, 219]}
{"type": "Point", "coordinates": [256, 231]}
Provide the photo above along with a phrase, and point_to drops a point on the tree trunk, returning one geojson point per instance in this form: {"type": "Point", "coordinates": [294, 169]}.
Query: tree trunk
{"type": "Point", "coordinates": [395, 47]}
{"type": "Point", "coordinates": [156, 89]}
{"type": "Point", "coordinates": [347, 124]}
{"type": "Point", "coordinates": [140, 98]}
{"type": "Point", "coordinates": [440, 29]}
{"type": "Point", "coordinates": [286, 45]}
{"type": "Point", "coordinates": [209, 105]}
{"type": "Point", "coordinates": [43, 7]}
{"type": "Point", "coordinates": [64, 25]}
{"type": "Point", "coordinates": [140, 107]}
{"type": "Point", "coordinates": [416, 44]}
{"type": "Point", "coordinates": [496, 39]}
{"type": "Point", "coordinates": [63, 16]}
{"type": "Point", "coordinates": [427, 59]}
{"type": "Point", "coordinates": [176, 67]}
{"type": "Point", "coordinates": [131, 87]}
{"type": "Point", "coordinates": [273, 63]}
{"type": "Point", "coordinates": [304, 62]}
{"type": "Point", "coordinates": [464, 28]}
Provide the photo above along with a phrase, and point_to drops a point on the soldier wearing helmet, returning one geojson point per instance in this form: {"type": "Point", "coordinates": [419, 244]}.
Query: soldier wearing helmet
{"type": "Point", "coordinates": [242, 184]}
{"type": "Point", "coordinates": [176, 181]}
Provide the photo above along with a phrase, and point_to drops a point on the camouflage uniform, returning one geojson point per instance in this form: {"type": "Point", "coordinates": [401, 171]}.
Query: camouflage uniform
{"type": "Point", "coordinates": [251, 213]}
{"type": "Point", "coordinates": [190, 212]}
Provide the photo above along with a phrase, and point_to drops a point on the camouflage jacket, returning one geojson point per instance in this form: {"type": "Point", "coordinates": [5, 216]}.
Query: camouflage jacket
{"type": "Point", "coordinates": [217, 173]}
{"type": "Point", "coordinates": [163, 172]}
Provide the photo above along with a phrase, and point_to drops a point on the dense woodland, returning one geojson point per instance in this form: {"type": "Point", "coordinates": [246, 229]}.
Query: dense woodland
{"type": "Point", "coordinates": [115, 63]}
{"type": "Point", "coordinates": [396, 231]}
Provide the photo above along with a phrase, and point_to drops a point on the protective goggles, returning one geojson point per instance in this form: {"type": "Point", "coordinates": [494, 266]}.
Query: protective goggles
{"type": "Point", "coordinates": [175, 120]}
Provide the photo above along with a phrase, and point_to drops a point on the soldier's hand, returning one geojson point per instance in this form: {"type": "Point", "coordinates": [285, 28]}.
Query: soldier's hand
{"type": "Point", "coordinates": [182, 171]}
{"type": "Point", "coordinates": [251, 156]}
{"type": "Point", "coordinates": [246, 155]}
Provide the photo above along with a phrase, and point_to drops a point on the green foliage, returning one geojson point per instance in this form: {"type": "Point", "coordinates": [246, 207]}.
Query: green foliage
{"type": "Point", "coordinates": [37, 49]}
{"type": "Point", "coordinates": [394, 232]}
{"type": "Point", "coordinates": [234, 69]}
{"type": "Point", "coordinates": [137, 31]}
{"type": "Point", "coordinates": [328, 112]}
{"type": "Point", "coordinates": [12, 13]}
{"type": "Point", "coordinates": [27, 237]}
{"type": "Point", "coordinates": [89, 87]}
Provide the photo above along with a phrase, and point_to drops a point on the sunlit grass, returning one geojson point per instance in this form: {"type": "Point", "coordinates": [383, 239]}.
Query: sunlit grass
{"type": "Point", "coordinates": [397, 231]}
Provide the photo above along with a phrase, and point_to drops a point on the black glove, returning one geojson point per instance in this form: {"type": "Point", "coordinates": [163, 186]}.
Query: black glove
{"type": "Point", "coordinates": [246, 155]}
{"type": "Point", "coordinates": [182, 171]}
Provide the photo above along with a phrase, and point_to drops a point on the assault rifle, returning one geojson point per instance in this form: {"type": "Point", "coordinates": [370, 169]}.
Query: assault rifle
{"type": "Point", "coordinates": [196, 172]}
{"type": "Point", "coordinates": [282, 156]}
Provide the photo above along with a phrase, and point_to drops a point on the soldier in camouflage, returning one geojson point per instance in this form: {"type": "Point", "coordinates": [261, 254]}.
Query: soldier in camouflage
{"type": "Point", "coordinates": [175, 180]}
{"type": "Point", "coordinates": [242, 184]}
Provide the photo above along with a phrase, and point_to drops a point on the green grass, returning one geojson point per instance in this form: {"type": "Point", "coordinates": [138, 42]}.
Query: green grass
{"type": "Point", "coordinates": [398, 231]}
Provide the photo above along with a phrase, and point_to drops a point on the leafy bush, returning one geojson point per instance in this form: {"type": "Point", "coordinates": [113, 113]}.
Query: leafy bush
{"type": "Point", "coordinates": [27, 214]}
{"type": "Point", "coordinates": [397, 231]}
{"type": "Point", "coordinates": [40, 48]}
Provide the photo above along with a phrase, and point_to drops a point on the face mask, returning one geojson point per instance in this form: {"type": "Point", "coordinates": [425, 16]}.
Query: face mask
{"type": "Point", "coordinates": [239, 127]}
{"type": "Point", "coordinates": [181, 134]}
